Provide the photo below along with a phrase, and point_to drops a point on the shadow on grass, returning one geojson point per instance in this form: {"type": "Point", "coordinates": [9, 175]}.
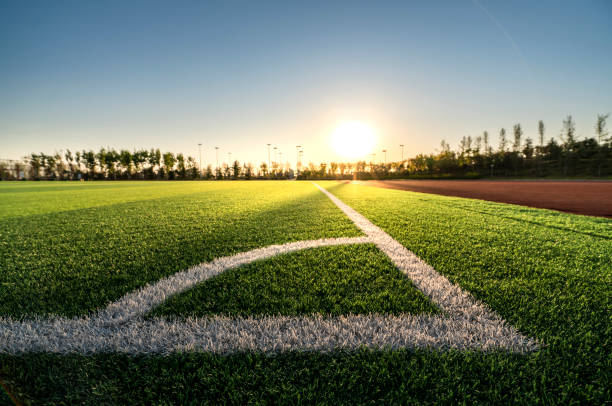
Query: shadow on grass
{"type": "Point", "coordinates": [72, 263]}
{"type": "Point", "coordinates": [359, 377]}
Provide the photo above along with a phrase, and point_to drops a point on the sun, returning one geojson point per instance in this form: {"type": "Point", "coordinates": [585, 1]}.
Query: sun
{"type": "Point", "coordinates": [353, 139]}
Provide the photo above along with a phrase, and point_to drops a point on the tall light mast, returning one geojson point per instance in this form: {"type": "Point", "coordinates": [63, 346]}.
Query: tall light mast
{"type": "Point", "coordinates": [297, 158]}
{"type": "Point", "coordinates": [217, 154]}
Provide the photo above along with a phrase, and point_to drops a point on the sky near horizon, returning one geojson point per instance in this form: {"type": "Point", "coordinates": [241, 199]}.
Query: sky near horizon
{"type": "Point", "coordinates": [238, 75]}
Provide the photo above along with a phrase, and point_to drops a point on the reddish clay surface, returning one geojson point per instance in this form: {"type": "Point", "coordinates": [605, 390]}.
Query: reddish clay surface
{"type": "Point", "coordinates": [593, 198]}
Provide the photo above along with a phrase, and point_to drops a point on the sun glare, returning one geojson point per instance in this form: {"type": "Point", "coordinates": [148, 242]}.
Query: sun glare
{"type": "Point", "coordinates": [353, 140]}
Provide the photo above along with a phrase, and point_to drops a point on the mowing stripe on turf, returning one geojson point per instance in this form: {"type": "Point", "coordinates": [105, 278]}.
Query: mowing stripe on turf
{"type": "Point", "coordinates": [120, 327]}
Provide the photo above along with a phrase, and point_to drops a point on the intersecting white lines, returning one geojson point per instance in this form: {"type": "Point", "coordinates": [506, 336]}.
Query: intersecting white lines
{"type": "Point", "coordinates": [120, 327]}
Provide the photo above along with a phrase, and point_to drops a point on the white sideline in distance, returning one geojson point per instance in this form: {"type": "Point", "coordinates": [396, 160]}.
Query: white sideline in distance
{"type": "Point", "coordinates": [120, 327]}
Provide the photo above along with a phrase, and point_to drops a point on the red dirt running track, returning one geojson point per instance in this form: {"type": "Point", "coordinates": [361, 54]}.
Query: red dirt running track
{"type": "Point", "coordinates": [593, 198]}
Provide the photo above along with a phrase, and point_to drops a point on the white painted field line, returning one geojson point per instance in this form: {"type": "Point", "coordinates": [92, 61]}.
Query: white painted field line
{"type": "Point", "coordinates": [458, 303]}
{"type": "Point", "coordinates": [440, 290]}
{"type": "Point", "coordinates": [120, 327]}
{"type": "Point", "coordinates": [223, 335]}
{"type": "Point", "coordinates": [143, 300]}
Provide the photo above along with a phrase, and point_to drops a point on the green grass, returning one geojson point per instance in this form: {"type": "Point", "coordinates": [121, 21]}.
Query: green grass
{"type": "Point", "coordinates": [356, 279]}
{"type": "Point", "coordinates": [548, 281]}
{"type": "Point", "coordinates": [72, 261]}
{"type": "Point", "coordinates": [341, 378]}
{"type": "Point", "coordinates": [547, 273]}
{"type": "Point", "coordinates": [19, 199]}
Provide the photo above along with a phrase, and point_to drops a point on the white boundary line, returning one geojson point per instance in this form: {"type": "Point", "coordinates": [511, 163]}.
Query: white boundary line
{"type": "Point", "coordinates": [120, 327]}
{"type": "Point", "coordinates": [145, 299]}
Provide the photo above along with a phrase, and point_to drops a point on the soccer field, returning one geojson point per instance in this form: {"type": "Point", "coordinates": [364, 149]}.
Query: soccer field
{"type": "Point", "coordinates": [294, 292]}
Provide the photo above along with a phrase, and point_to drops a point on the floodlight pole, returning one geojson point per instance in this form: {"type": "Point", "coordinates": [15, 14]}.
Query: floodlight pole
{"type": "Point", "coordinates": [275, 157]}
{"type": "Point", "coordinates": [402, 146]}
{"type": "Point", "coordinates": [297, 158]}
{"type": "Point", "coordinates": [301, 154]}
{"type": "Point", "coordinates": [217, 154]}
{"type": "Point", "coordinates": [385, 151]}
{"type": "Point", "coordinates": [268, 157]}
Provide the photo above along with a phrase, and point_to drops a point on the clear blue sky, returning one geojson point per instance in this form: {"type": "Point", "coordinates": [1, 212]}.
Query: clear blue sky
{"type": "Point", "coordinates": [128, 74]}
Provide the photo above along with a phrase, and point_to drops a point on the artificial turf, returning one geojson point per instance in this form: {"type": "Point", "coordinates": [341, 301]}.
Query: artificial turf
{"type": "Point", "coordinates": [548, 274]}
{"type": "Point", "coordinates": [71, 261]}
{"type": "Point", "coordinates": [362, 377]}
{"type": "Point", "coordinates": [357, 279]}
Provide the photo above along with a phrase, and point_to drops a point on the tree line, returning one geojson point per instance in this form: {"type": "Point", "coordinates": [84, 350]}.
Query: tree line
{"type": "Point", "coordinates": [109, 164]}
{"type": "Point", "coordinates": [475, 157]}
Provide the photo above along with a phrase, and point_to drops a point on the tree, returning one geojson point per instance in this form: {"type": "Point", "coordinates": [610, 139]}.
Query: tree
{"type": "Point", "coordinates": [35, 165]}
{"type": "Point", "coordinates": [569, 132]}
{"type": "Point", "coordinates": [180, 164]}
{"type": "Point", "coordinates": [248, 171]}
{"type": "Point", "coordinates": [227, 170]}
{"type": "Point", "coordinates": [478, 144]}
{"type": "Point", "coordinates": [125, 159]}
{"type": "Point", "coordinates": [101, 158]}
{"type": "Point", "coordinates": [463, 145]}
{"type": "Point", "coordinates": [541, 132]}
{"type": "Point", "coordinates": [602, 133]}
{"type": "Point", "coordinates": [264, 169]}
{"type": "Point", "coordinates": [77, 161]}
{"type": "Point", "coordinates": [502, 140]}
{"type": "Point", "coordinates": [169, 162]}
{"type": "Point", "coordinates": [139, 158]}
{"type": "Point", "coordinates": [111, 160]}
{"type": "Point", "coordinates": [333, 168]}
{"type": "Point", "coordinates": [600, 127]}
{"type": "Point", "coordinates": [69, 160]}
{"type": "Point", "coordinates": [528, 148]}
{"type": "Point", "coordinates": [155, 160]}
{"type": "Point", "coordinates": [236, 169]}
{"type": "Point", "coordinates": [90, 162]}
{"type": "Point", "coordinates": [60, 166]}
{"type": "Point", "coordinates": [50, 166]}
{"type": "Point", "coordinates": [322, 169]}
{"type": "Point", "coordinates": [568, 135]}
{"type": "Point", "coordinates": [193, 170]}
{"type": "Point", "coordinates": [518, 134]}
{"type": "Point", "coordinates": [485, 140]}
